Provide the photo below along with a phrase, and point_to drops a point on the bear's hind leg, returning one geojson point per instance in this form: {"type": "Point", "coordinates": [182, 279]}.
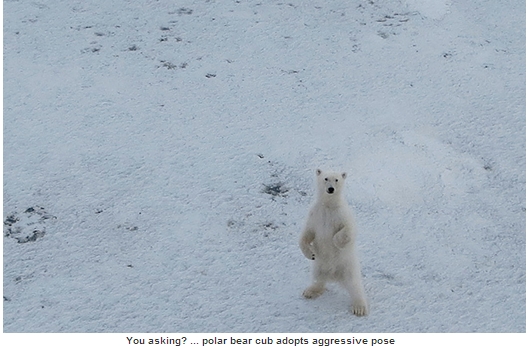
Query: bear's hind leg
{"type": "Point", "coordinates": [320, 277]}
{"type": "Point", "coordinates": [354, 286]}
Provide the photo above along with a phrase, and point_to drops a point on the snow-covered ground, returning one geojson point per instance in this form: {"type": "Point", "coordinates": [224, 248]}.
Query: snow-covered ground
{"type": "Point", "coordinates": [159, 162]}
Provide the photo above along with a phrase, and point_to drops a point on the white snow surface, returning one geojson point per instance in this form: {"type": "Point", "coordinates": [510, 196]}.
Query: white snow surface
{"type": "Point", "coordinates": [160, 156]}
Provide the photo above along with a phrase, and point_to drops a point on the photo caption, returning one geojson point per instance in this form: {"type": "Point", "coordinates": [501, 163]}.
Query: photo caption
{"type": "Point", "coordinates": [239, 341]}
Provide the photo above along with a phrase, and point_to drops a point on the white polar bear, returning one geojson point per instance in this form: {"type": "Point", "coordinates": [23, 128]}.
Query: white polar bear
{"type": "Point", "coordinates": [329, 239]}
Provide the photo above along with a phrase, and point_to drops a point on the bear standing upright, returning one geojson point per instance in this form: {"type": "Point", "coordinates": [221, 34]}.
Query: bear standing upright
{"type": "Point", "coordinates": [329, 239]}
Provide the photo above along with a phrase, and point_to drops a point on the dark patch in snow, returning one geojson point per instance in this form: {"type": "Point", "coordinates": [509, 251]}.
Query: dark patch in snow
{"type": "Point", "coordinates": [394, 20]}
{"type": "Point", "coordinates": [28, 226]}
{"type": "Point", "coordinates": [276, 189]}
{"type": "Point", "coordinates": [168, 65]}
{"type": "Point", "coordinates": [270, 226]}
{"type": "Point", "coordinates": [93, 49]}
{"type": "Point", "coordinates": [289, 72]}
{"type": "Point", "coordinates": [182, 11]}
{"type": "Point", "coordinates": [231, 223]}
{"type": "Point", "coordinates": [383, 35]}
{"type": "Point", "coordinates": [128, 227]}
{"type": "Point", "coordinates": [165, 38]}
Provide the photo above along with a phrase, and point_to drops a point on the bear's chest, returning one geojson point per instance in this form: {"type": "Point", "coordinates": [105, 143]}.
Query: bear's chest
{"type": "Point", "coordinates": [328, 221]}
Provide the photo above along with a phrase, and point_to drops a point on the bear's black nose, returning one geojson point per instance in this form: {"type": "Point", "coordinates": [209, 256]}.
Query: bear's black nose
{"type": "Point", "coordinates": [330, 190]}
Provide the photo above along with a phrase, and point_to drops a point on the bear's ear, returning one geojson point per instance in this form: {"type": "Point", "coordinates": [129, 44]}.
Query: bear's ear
{"type": "Point", "coordinates": [344, 175]}
{"type": "Point", "coordinates": [318, 172]}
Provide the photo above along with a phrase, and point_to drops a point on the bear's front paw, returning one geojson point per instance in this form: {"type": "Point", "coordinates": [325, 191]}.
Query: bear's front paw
{"type": "Point", "coordinates": [307, 251]}
{"type": "Point", "coordinates": [310, 256]}
{"type": "Point", "coordinates": [341, 240]}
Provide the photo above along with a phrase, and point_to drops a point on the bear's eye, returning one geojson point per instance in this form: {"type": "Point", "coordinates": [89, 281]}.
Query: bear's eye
{"type": "Point", "coordinates": [337, 180]}
{"type": "Point", "coordinates": [326, 179]}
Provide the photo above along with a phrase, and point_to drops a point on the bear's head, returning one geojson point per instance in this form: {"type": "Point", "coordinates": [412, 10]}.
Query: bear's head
{"type": "Point", "coordinates": [330, 183]}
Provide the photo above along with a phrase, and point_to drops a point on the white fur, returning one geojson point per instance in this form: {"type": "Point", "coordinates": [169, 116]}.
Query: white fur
{"type": "Point", "coordinates": [329, 239]}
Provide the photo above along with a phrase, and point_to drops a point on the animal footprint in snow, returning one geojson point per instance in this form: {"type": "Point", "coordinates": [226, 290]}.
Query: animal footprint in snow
{"type": "Point", "coordinates": [28, 226]}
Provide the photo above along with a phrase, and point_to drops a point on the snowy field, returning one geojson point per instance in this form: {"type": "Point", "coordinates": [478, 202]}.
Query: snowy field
{"type": "Point", "coordinates": [160, 156]}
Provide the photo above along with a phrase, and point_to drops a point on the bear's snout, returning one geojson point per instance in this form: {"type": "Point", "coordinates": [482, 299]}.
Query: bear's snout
{"type": "Point", "coordinates": [330, 190]}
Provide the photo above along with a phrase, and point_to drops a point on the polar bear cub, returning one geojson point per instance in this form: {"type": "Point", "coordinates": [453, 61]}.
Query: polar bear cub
{"type": "Point", "coordinates": [329, 239]}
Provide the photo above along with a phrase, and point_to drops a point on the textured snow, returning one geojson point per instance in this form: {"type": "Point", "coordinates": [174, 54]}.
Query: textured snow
{"type": "Point", "coordinates": [165, 152]}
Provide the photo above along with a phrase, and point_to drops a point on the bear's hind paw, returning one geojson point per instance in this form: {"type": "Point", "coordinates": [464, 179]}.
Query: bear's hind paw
{"type": "Point", "coordinates": [359, 309]}
{"type": "Point", "coordinates": [313, 291]}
